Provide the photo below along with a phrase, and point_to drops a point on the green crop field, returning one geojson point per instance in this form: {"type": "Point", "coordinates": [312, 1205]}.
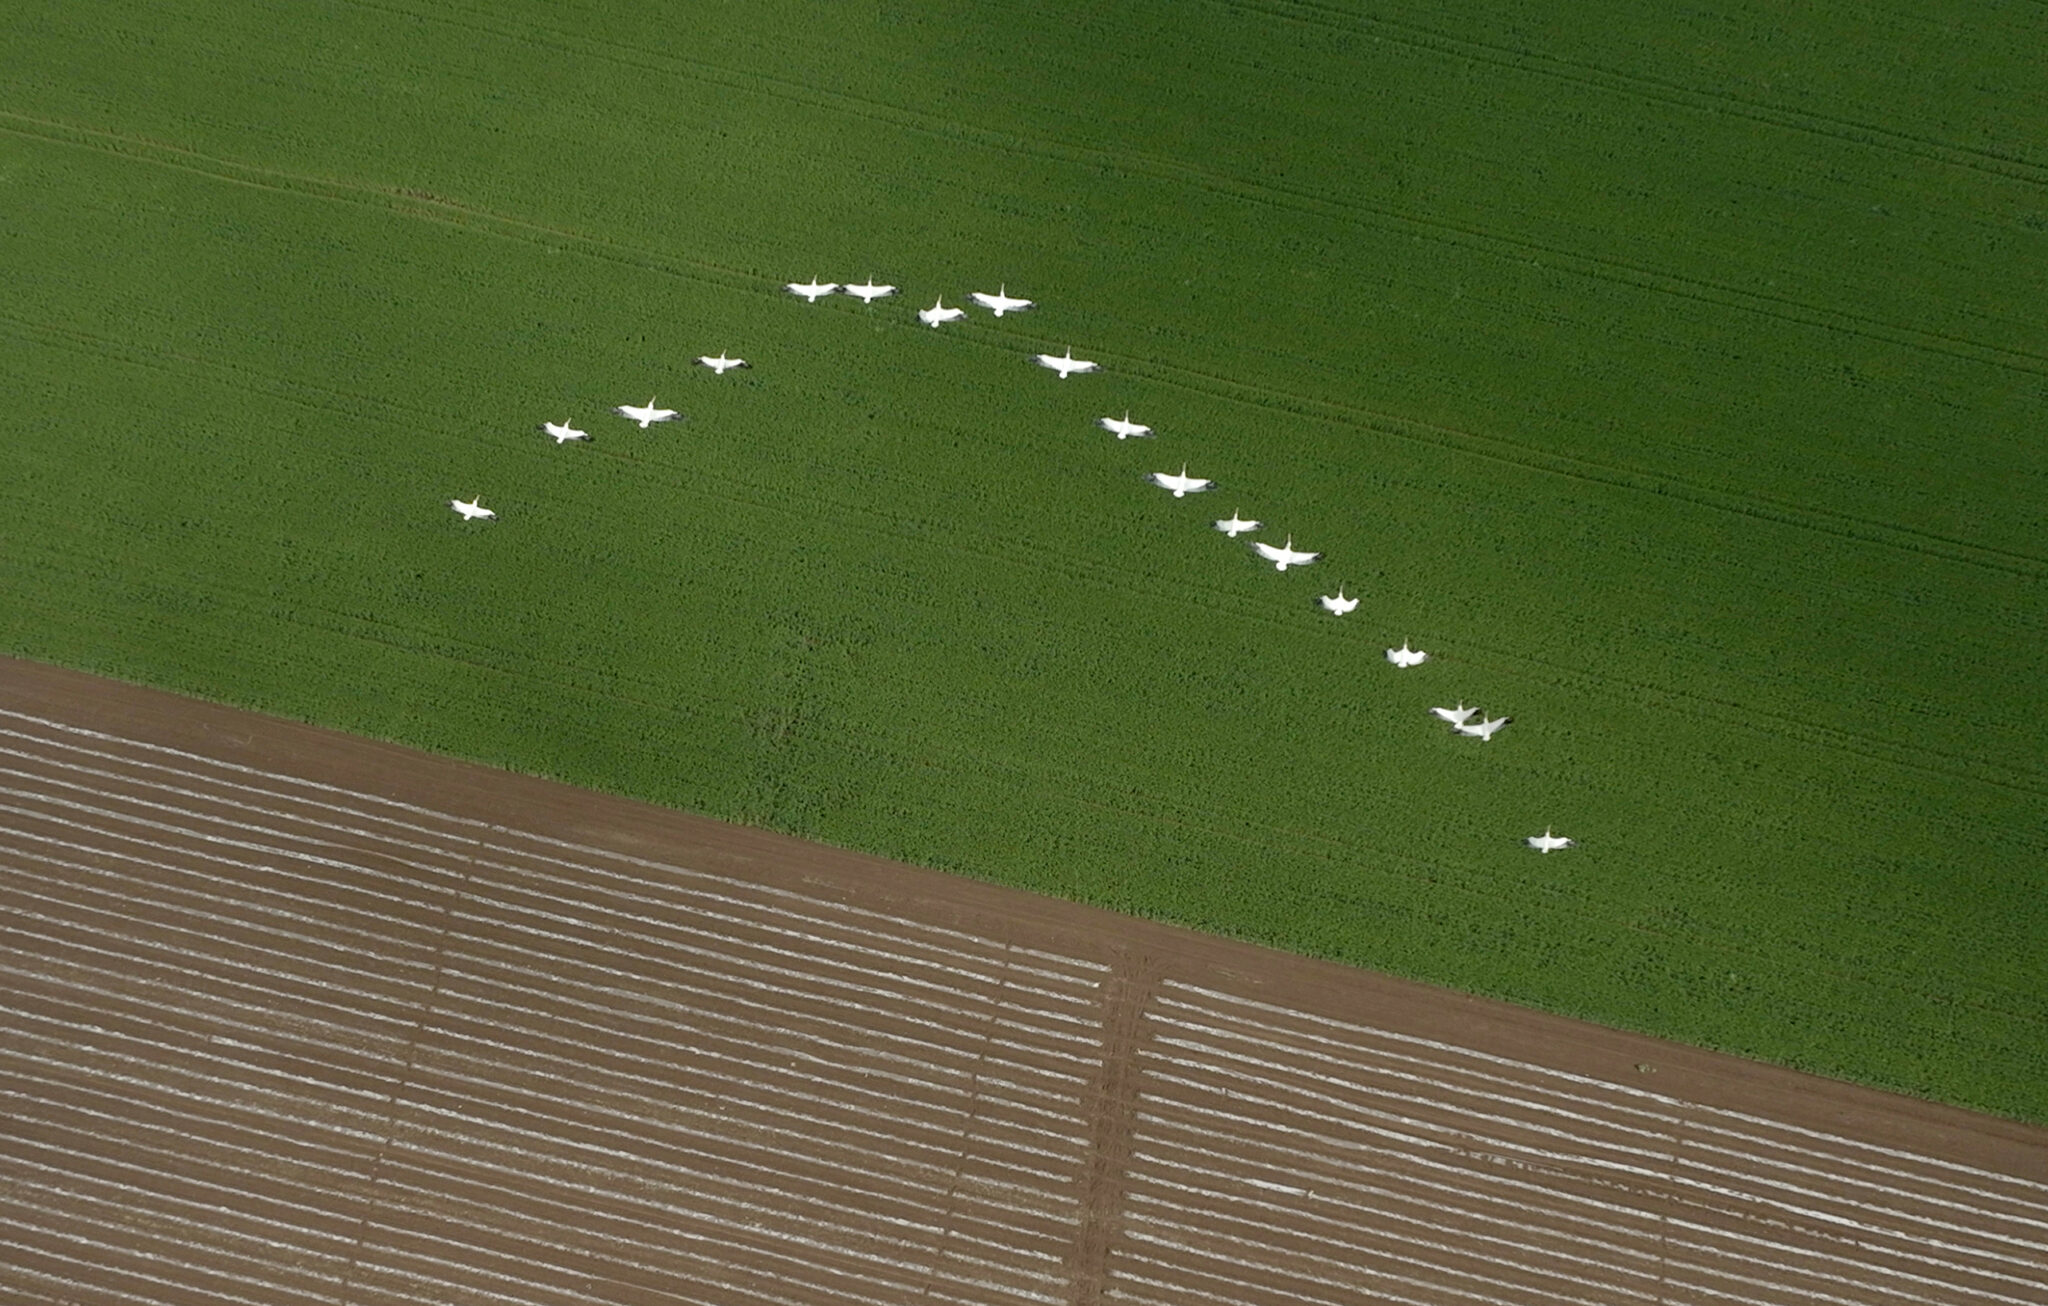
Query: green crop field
{"type": "Point", "coordinates": [1678, 379]}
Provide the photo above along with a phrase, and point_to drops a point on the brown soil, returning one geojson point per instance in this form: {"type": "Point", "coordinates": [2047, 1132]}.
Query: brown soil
{"type": "Point", "coordinates": [275, 1042]}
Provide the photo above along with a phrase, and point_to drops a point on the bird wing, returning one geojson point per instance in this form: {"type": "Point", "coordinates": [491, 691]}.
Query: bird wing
{"type": "Point", "coordinates": [1270, 552]}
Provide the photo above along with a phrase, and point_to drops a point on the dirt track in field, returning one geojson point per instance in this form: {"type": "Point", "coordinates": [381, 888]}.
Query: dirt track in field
{"type": "Point", "coordinates": [296, 1017]}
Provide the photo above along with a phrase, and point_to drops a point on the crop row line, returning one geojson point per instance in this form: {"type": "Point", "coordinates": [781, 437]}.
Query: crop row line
{"type": "Point", "coordinates": [1271, 194]}
{"type": "Point", "coordinates": [1656, 90]}
{"type": "Point", "coordinates": [1434, 876]}
{"type": "Point", "coordinates": [1495, 448]}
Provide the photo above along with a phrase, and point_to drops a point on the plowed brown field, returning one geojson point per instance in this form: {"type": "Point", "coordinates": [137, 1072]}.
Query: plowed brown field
{"type": "Point", "coordinates": [297, 1017]}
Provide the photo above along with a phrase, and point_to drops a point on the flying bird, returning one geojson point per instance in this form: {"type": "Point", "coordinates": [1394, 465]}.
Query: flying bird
{"type": "Point", "coordinates": [1339, 605]}
{"type": "Point", "coordinates": [647, 415]}
{"type": "Point", "coordinates": [563, 432]}
{"type": "Point", "coordinates": [1123, 427]}
{"type": "Point", "coordinates": [1066, 366]}
{"type": "Point", "coordinates": [1001, 302]}
{"type": "Point", "coordinates": [938, 313]}
{"type": "Point", "coordinates": [869, 292]}
{"type": "Point", "coordinates": [472, 509]}
{"type": "Point", "coordinates": [1406, 657]}
{"type": "Point", "coordinates": [1285, 555]}
{"type": "Point", "coordinates": [1548, 842]}
{"type": "Point", "coordinates": [1481, 729]}
{"type": "Point", "coordinates": [1458, 715]}
{"type": "Point", "coordinates": [1236, 525]}
{"type": "Point", "coordinates": [813, 291]}
{"type": "Point", "coordinates": [1181, 483]}
{"type": "Point", "coordinates": [721, 363]}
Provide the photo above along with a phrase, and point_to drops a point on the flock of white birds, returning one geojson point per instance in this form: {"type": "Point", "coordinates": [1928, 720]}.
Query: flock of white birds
{"type": "Point", "coordinates": [1180, 484]}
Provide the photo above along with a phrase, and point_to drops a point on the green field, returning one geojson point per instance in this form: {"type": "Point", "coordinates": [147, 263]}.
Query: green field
{"type": "Point", "coordinates": [1679, 381]}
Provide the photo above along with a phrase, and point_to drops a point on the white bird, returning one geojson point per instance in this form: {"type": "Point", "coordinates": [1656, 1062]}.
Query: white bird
{"type": "Point", "coordinates": [869, 292]}
{"type": "Point", "coordinates": [721, 363]}
{"type": "Point", "coordinates": [1124, 427]}
{"type": "Point", "coordinates": [1066, 366]}
{"type": "Point", "coordinates": [1001, 302]}
{"type": "Point", "coordinates": [814, 290]}
{"type": "Point", "coordinates": [1406, 657]}
{"type": "Point", "coordinates": [938, 313]}
{"type": "Point", "coordinates": [1285, 555]}
{"type": "Point", "coordinates": [1338, 605]}
{"type": "Point", "coordinates": [563, 432]}
{"type": "Point", "coordinates": [647, 414]}
{"type": "Point", "coordinates": [472, 509]}
{"type": "Point", "coordinates": [1458, 715]}
{"type": "Point", "coordinates": [1548, 842]}
{"type": "Point", "coordinates": [1236, 525]}
{"type": "Point", "coordinates": [1482, 729]}
{"type": "Point", "coordinates": [1180, 483]}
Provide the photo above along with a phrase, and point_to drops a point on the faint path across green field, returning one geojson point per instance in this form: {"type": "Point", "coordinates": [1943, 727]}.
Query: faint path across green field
{"type": "Point", "coordinates": [1678, 380]}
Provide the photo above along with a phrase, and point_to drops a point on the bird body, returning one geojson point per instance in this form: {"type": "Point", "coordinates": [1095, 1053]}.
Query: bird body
{"type": "Point", "coordinates": [1285, 555]}
{"type": "Point", "coordinates": [1180, 482]}
{"type": "Point", "coordinates": [1123, 427]}
{"type": "Point", "coordinates": [1067, 365]}
{"type": "Point", "coordinates": [938, 313]}
{"type": "Point", "coordinates": [563, 432]}
{"type": "Point", "coordinates": [1339, 605]}
{"type": "Point", "coordinates": [813, 290]}
{"type": "Point", "coordinates": [1001, 302]}
{"type": "Point", "coordinates": [1406, 657]}
{"type": "Point", "coordinates": [646, 414]}
{"type": "Point", "coordinates": [1482, 729]}
{"type": "Point", "coordinates": [869, 292]}
{"type": "Point", "coordinates": [1236, 525]}
{"type": "Point", "coordinates": [1548, 842]}
{"type": "Point", "coordinates": [1458, 715]}
{"type": "Point", "coordinates": [721, 364]}
{"type": "Point", "coordinates": [472, 509]}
